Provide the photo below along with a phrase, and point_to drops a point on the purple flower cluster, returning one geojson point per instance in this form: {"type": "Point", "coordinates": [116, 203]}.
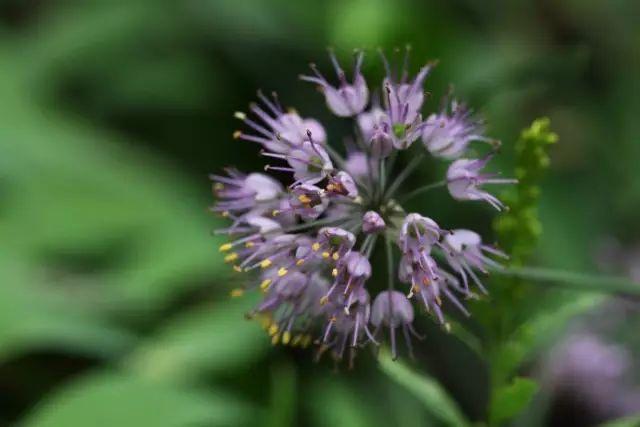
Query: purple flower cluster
{"type": "Point", "coordinates": [310, 244]}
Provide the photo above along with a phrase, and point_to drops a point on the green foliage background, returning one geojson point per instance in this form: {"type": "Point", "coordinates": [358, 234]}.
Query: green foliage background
{"type": "Point", "coordinates": [114, 307]}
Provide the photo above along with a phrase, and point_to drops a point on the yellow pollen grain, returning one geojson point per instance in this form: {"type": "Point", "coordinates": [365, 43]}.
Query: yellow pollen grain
{"type": "Point", "coordinates": [237, 134]}
{"type": "Point", "coordinates": [265, 263]}
{"type": "Point", "coordinates": [335, 256]}
{"type": "Point", "coordinates": [286, 337]}
{"type": "Point", "coordinates": [275, 340]}
{"type": "Point", "coordinates": [282, 272]}
{"type": "Point", "coordinates": [325, 255]}
{"type": "Point", "coordinates": [304, 199]}
{"type": "Point", "coordinates": [265, 284]}
{"type": "Point", "coordinates": [315, 246]}
{"type": "Point", "coordinates": [231, 257]}
{"type": "Point", "coordinates": [235, 293]}
{"type": "Point", "coordinates": [273, 329]}
{"type": "Point", "coordinates": [300, 262]}
{"type": "Point", "coordinates": [334, 272]}
{"type": "Point", "coordinates": [225, 247]}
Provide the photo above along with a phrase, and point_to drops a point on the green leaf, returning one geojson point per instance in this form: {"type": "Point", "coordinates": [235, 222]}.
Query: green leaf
{"type": "Point", "coordinates": [540, 329]}
{"type": "Point", "coordinates": [33, 316]}
{"type": "Point", "coordinates": [578, 281]}
{"type": "Point", "coordinates": [110, 399]}
{"type": "Point", "coordinates": [333, 403]}
{"type": "Point", "coordinates": [509, 400]}
{"type": "Point", "coordinates": [434, 398]}
{"type": "Point", "coordinates": [213, 338]}
{"type": "Point", "coordinates": [632, 421]}
{"type": "Point", "coordinates": [283, 396]}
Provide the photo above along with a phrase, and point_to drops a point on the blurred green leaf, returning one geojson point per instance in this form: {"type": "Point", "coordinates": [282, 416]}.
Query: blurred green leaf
{"type": "Point", "coordinates": [550, 320]}
{"type": "Point", "coordinates": [333, 402]}
{"type": "Point", "coordinates": [32, 319]}
{"type": "Point", "coordinates": [283, 395]}
{"type": "Point", "coordinates": [509, 400]}
{"type": "Point", "coordinates": [435, 398]}
{"type": "Point", "coordinates": [110, 399]}
{"type": "Point", "coordinates": [577, 281]}
{"type": "Point", "coordinates": [209, 339]}
{"type": "Point", "coordinates": [632, 421]}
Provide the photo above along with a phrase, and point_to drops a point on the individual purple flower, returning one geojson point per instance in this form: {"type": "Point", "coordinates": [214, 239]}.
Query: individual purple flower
{"type": "Point", "coordinates": [309, 162]}
{"type": "Point", "coordinates": [308, 201]}
{"type": "Point", "coordinates": [308, 244]}
{"type": "Point", "coordinates": [356, 165]}
{"type": "Point", "coordinates": [448, 133]}
{"type": "Point", "coordinates": [403, 101]}
{"type": "Point", "coordinates": [239, 193]}
{"type": "Point", "coordinates": [347, 99]}
{"type": "Point", "coordinates": [376, 132]}
{"type": "Point", "coordinates": [393, 310]}
{"type": "Point", "coordinates": [464, 181]}
{"type": "Point", "coordinates": [372, 222]}
{"type": "Point", "coordinates": [346, 328]}
{"type": "Point", "coordinates": [465, 252]}
{"type": "Point", "coordinates": [280, 131]}
{"type": "Point", "coordinates": [342, 184]}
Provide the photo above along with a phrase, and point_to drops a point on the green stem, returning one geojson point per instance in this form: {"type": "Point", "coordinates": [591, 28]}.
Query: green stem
{"type": "Point", "coordinates": [421, 190]}
{"type": "Point", "coordinates": [403, 175]}
{"type": "Point", "coordinates": [569, 279]}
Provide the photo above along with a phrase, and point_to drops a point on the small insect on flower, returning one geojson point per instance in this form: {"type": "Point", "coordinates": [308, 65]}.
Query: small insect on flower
{"type": "Point", "coordinates": [308, 246]}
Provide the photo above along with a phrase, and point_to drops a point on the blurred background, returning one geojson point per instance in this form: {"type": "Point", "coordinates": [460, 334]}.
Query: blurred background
{"type": "Point", "coordinates": [114, 302]}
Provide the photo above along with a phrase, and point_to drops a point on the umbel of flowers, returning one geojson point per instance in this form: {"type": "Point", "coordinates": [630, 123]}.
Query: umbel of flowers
{"type": "Point", "coordinates": [307, 246]}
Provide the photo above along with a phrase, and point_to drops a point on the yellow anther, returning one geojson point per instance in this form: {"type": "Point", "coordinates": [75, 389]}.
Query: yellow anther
{"type": "Point", "coordinates": [235, 293]}
{"type": "Point", "coordinates": [239, 115]}
{"type": "Point", "coordinates": [426, 282]}
{"type": "Point", "coordinates": [218, 186]}
{"type": "Point", "coordinates": [335, 256]}
{"type": "Point", "coordinates": [324, 300]}
{"type": "Point", "coordinates": [304, 199]}
{"type": "Point", "coordinates": [265, 284]}
{"type": "Point", "coordinates": [225, 214]}
{"type": "Point", "coordinates": [282, 272]}
{"type": "Point", "coordinates": [326, 255]}
{"type": "Point", "coordinates": [334, 272]}
{"type": "Point", "coordinates": [237, 134]}
{"type": "Point", "coordinates": [286, 337]}
{"type": "Point", "coordinates": [300, 262]}
{"type": "Point", "coordinates": [231, 257]}
{"type": "Point", "coordinates": [249, 245]}
{"type": "Point", "coordinates": [273, 329]}
{"type": "Point", "coordinates": [275, 339]}
{"type": "Point", "coordinates": [438, 300]}
{"type": "Point", "coordinates": [237, 268]}
{"type": "Point", "coordinates": [315, 246]}
{"type": "Point", "coordinates": [225, 247]}
{"type": "Point", "coordinates": [447, 327]}
{"type": "Point", "coordinates": [333, 319]}
{"type": "Point", "coordinates": [265, 263]}
{"type": "Point", "coordinates": [275, 212]}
